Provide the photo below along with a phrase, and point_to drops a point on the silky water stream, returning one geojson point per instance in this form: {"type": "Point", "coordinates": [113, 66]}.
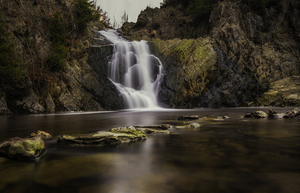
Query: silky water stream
{"type": "Point", "coordinates": [134, 71]}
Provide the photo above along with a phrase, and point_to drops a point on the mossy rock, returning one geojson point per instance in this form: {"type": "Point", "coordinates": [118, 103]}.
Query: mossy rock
{"type": "Point", "coordinates": [27, 149]}
{"type": "Point", "coordinates": [41, 134]}
{"type": "Point", "coordinates": [114, 136]}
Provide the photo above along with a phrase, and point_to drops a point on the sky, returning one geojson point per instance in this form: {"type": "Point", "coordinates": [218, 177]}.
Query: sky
{"type": "Point", "coordinates": [116, 8]}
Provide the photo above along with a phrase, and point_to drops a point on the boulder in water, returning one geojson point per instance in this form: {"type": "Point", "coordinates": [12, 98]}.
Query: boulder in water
{"type": "Point", "coordinates": [41, 134]}
{"type": "Point", "coordinates": [294, 113]}
{"type": "Point", "coordinates": [112, 137]}
{"type": "Point", "coordinates": [194, 125]}
{"type": "Point", "coordinates": [27, 149]}
{"type": "Point", "coordinates": [256, 114]}
{"type": "Point", "coordinates": [272, 113]}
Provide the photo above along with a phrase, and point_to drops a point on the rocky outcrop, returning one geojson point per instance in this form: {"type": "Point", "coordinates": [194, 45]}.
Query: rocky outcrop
{"type": "Point", "coordinates": [248, 53]}
{"type": "Point", "coordinates": [190, 65]}
{"type": "Point", "coordinates": [31, 103]}
{"type": "Point", "coordinates": [27, 149]}
{"type": "Point", "coordinates": [3, 107]}
{"type": "Point", "coordinates": [81, 84]}
{"type": "Point", "coordinates": [284, 92]}
{"type": "Point", "coordinates": [165, 23]}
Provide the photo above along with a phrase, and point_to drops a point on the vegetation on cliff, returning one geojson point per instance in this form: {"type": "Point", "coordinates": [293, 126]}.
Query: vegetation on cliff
{"type": "Point", "coordinates": [11, 71]}
{"type": "Point", "coordinates": [49, 40]}
{"type": "Point", "coordinates": [254, 45]}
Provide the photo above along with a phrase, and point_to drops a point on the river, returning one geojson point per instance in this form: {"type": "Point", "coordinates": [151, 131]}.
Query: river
{"type": "Point", "coordinates": [234, 155]}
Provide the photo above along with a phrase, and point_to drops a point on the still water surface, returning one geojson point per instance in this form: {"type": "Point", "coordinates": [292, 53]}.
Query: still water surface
{"type": "Point", "coordinates": [234, 155]}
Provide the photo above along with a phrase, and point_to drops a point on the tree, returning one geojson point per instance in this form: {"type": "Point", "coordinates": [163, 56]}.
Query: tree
{"type": "Point", "coordinates": [115, 24]}
{"type": "Point", "coordinates": [124, 18]}
{"type": "Point", "coordinates": [10, 63]}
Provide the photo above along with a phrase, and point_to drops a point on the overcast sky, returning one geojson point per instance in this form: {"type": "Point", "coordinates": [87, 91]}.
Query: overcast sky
{"type": "Point", "coordinates": [132, 7]}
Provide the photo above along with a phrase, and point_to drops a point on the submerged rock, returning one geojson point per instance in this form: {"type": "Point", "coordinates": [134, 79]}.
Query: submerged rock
{"type": "Point", "coordinates": [188, 117]}
{"type": "Point", "coordinates": [112, 137]}
{"type": "Point", "coordinates": [27, 149]}
{"type": "Point", "coordinates": [41, 134]}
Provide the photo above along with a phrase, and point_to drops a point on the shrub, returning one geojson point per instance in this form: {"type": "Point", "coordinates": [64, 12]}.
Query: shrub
{"type": "Point", "coordinates": [10, 63]}
{"type": "Point", "coordinates": [57, 29]}
{"type": "Point", "coordinates": [200, 8]}
{"type": "Point", "coordinates": [155, 26]}
{"type": "Point", "coordinates": [57, 58]}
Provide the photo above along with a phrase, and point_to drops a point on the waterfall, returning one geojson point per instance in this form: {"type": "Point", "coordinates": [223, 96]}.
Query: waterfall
{"type": "Point", "coordinates": [134, 71]}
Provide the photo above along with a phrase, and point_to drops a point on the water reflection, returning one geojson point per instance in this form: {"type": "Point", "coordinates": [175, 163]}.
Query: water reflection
{"type": "Point", "coordinates": [235, 155]}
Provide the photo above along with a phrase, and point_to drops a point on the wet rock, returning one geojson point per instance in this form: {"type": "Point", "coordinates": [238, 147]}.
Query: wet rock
{"type": "Point", "coordinates": [161, 127]}
{"type": "Point", "coordinates": [225, 117]}
{"type": "Point", "coordinates": [294, 113]}
{"type": "Point", "coordinates": [256, 114]}
{"type": "Point", "coordinates": [248, 115]}
{"type": "Point", "coordinates": [194, 125]}
{"type": "Point", "coordinates": [219, 119]}
{"type": "Point", "coordinates": [153, 131]}
{"type": "Point", "coordinates": [272, 113]}
{"type": "Point", "coordinates": [24, 149]}
{"type": "Point", "coordinates": [41, 134]}
{"type": "Point", "coordinates": [112, 137]}
{"type": "Point", "coordinates": [188, 117]}
{"type": "Point", "coordinates": [260, 114]}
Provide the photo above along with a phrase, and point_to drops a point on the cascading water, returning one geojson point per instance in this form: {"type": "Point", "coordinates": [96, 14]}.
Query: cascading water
{"type": "Point", "coordinates": [134, 71]}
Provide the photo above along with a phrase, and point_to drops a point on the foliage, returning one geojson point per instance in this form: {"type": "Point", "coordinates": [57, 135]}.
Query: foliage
{"type": "Point", "coordinates": [200, 8]}
{"type": "Point", "coordinates": [57, 29]}
{"type": "Point", "coordinates": [58, 36]}
{"type": "Point", "coordinates": [85, 13]}
{"type": "Point", "coordinates": [10, 63]}
{"type": "Point", "coordinates": [57, 58]}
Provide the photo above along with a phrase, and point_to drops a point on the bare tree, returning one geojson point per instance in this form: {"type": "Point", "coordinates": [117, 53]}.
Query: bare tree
{"type": "Point", "coordinates": [124, 18]}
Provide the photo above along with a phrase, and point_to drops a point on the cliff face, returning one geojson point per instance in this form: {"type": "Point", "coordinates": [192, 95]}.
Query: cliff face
{"type": "Point", "coordinates": [246, 59]}
{"type": "Point", "coordinates": [79, 85]}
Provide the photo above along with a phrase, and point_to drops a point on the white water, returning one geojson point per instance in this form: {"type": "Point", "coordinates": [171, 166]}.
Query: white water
{"type": "Point", "coordinates": [134, 71]}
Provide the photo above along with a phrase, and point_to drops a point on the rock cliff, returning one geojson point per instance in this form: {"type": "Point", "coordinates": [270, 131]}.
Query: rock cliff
{"type": "Point", "coordinates": [243, 58]}
{"type": "Point", "coordinates": [81, 84]}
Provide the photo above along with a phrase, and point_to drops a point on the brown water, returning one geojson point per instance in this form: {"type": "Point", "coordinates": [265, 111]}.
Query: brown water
{"type": "Point", "coordinates": [235, 155]}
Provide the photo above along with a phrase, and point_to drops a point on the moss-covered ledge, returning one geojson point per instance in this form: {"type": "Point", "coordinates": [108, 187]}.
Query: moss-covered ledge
{"type": "Point", "coordinates": [190, 65]}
